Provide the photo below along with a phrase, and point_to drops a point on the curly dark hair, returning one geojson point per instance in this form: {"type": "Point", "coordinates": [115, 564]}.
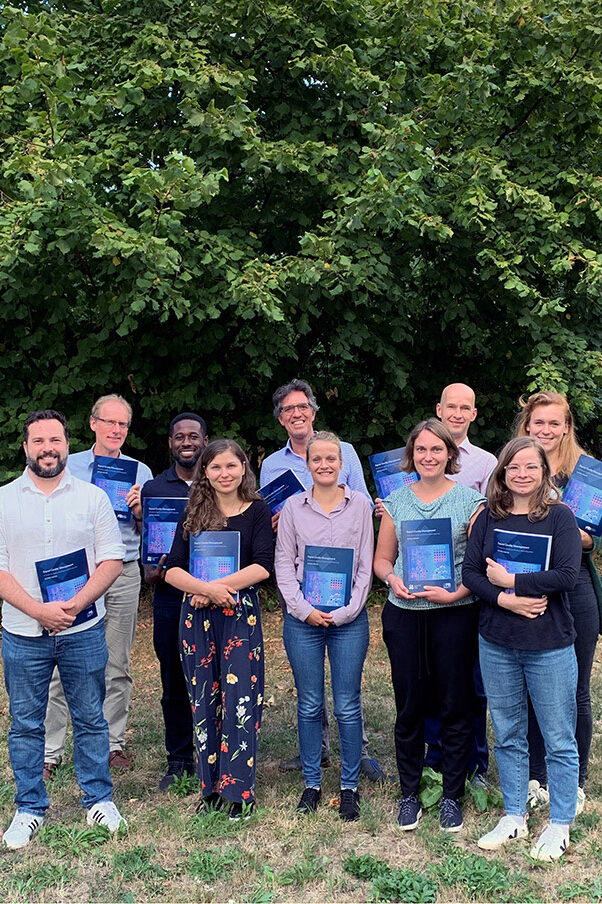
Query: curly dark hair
{"type": "Point", "coordinates": [202, 511]}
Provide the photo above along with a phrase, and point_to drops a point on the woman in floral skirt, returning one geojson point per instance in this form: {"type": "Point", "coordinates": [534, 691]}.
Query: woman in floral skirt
{"type": "Point", "coordinates": [221, 639]}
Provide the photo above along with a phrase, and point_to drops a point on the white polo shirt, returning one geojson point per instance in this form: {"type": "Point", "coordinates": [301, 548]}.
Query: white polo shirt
{"type": "Point", "coordinates": [34, 526]}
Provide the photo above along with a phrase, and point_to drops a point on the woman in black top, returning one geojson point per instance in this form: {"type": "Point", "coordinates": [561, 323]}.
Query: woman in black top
{"type": "Point", "coordinates": [221, 639]}
{"type": "Point", "coordinates": [547, 417]}
{"type": "Point", "coordinates": [526, 639]}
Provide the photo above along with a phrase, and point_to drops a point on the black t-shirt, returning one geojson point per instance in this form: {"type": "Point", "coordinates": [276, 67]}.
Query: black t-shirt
{"type": "Point", "coordinates": [256, 545]}
{"type": "Point", "coordinates": [169, 486]}
{"type": "Point", "coordinates": [552, 630]}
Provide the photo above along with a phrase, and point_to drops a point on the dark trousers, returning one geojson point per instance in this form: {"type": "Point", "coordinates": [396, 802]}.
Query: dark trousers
{"type": "Point", "coordinates": [584, 609]}
{"type": "Point", "coordinates": [175, 701]}
{"type": "Point", "coordinates": [432, 654]}
{"type": "Point", "coordinates": [479, 750]}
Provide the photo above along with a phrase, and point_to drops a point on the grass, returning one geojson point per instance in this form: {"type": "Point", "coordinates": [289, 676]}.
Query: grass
{"type": "Point", "coordinates": [171, 854]}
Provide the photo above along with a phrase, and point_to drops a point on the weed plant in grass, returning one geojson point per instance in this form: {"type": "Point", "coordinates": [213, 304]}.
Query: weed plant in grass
{"type": "Point", "coordinates": [171, 854]}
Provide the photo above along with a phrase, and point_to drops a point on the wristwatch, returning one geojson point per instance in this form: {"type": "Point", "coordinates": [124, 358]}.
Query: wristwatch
{"type": "Point", "coordinates": [386, 577]}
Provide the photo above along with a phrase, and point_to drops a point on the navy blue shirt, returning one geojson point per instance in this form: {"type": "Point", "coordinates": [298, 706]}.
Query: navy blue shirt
{"type": "Point", "coordinates": [554, 629]}
{"type": "Point", "coordinates": [168, 485]}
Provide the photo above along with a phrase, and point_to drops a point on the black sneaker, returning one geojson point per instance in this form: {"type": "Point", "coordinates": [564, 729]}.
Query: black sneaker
{"type": "Point", "coordinates": [349, 807]}
{"type": "Point", "coordinates": [174, 771]}
{"type": "Point", "coordinates": [241, 810]}
{"type": "Point", "coordinates": [450, 815]}
{"type": "Point", "coordinates": [310, 799]}
{"type": "Point", "coordinates": [410, 812]}
{"type": "Point", "coordinates": [213, 803]}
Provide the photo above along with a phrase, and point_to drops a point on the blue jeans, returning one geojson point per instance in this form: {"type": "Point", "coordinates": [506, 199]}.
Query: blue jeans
{"type": "Point", "coordinates": [28, 665]}
{"type": "Point", "coordinates": [549, 677]}
{"type": "Point", "coordinates": [347, 646]}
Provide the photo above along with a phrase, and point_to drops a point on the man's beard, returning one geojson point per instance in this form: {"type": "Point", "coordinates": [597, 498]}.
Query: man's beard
{"type": "Point", "coordinates": [187, 463]}
{"type": "Point", "coordinates": [39, 471]}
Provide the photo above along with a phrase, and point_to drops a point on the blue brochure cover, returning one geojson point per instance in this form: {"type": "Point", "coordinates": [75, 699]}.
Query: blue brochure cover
{"type": "Point", "coordinates": [428, 554]}
{"type": "Point", "coordinates": [583, 494]}
{"type": "Point", "coordinates": [214, 554]}
{"type": "Point", "coordinates": [61, 577]}
{"type": "Point", "coordinates": [521, 553]}
{"type": "Point", "coordinates": [277, 491]}
{"type": "Point", "coordinates": [387, 473]}
{"type": "Point", "coordinates": [160, 516]}
{"type": "Point", "coordinates": [327, 576]}
{"type": "Point", "coordinates": [116, 476]}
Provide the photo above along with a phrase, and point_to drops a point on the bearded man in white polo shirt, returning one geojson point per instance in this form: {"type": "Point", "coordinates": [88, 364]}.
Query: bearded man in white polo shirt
{"type": "Point", "coordinates": [50, 521]}
{"type": "Point", "coordinates": [109, 421]}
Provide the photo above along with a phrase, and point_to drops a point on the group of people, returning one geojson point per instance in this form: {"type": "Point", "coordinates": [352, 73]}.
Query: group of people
{"type": "Point", "coordinates": [521, 643]}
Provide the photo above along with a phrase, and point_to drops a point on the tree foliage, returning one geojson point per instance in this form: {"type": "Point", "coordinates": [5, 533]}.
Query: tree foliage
{"type": "Point", "coordinates": [200, 200]}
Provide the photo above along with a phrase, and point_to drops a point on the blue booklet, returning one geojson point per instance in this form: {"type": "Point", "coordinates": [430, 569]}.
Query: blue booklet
{"type": "Point", "coordinates": [387, 473]}
{"type": "Point", "coordinates": [277, 491]}
{"type": "Point", "coordinates": [116, 476]}
{"type": "Point", "coordinates": [583, 494]}
{"type": "Point", "coordinates": [427, 551]}
{"type": "Point", "coordinates": [327, 576]}
{"type": "Point", "coordinates": [521, 553]}
{"type": "Point", "coordinates": [61, 577]}
{"type": "Point", "coordinates": [160, 516]}
{"type": "Point", "coordinates": [214, 554]}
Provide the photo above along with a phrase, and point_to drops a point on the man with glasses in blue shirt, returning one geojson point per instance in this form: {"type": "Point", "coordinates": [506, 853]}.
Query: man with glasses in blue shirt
{"type": "Point", "coordinates": [295, 408]}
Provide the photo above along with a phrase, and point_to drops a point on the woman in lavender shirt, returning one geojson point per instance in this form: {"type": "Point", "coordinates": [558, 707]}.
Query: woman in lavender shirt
{"type": "Point", "coordinates": [329, 514]}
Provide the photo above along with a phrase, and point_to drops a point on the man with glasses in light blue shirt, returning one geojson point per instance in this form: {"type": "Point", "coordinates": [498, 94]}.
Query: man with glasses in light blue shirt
{"type": "Point", "coordinates": [295, 408]}
{"type": "Point", "coordinates": [109, 421]}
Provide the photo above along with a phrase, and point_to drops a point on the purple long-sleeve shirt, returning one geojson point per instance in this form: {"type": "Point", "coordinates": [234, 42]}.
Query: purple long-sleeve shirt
{"type": "Point", "coordinates": [303, 522]}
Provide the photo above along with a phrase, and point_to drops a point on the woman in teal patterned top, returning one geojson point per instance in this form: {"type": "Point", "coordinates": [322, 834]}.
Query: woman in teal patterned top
{"type": "Point", "coordinates": [431, 637]}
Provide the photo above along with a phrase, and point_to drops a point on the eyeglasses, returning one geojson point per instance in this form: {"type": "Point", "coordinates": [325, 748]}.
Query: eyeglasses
{"type": "Point", "coordinates": [513, 470]}
{"type": "Point", "coordinates": [123, 425]}
{"type": "Point", "coordinates": [303, 408]}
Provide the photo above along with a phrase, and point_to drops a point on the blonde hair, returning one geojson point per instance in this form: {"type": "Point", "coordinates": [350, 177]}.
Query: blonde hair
{"type": "Point", "coordinates": [569, 449]}
{"type": "Point", "coordinates": [500, 498]}
{"type": "Point", "coordinates": [112, 397]}
{"type": "Point", "coordinates": [324, 436]}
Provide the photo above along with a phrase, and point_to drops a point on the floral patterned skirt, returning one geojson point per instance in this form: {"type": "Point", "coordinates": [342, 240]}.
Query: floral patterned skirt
{"type": "Point", "coordinates": [222, 659]}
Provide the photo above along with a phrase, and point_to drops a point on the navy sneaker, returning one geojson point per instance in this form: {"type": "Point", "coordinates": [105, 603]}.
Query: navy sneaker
{"type": "Point", "coordinates": [450, 815]}
{"type": "Point", "coordinates": [372, 770]}
{"type": "Point", "coordinates": [410, 812]}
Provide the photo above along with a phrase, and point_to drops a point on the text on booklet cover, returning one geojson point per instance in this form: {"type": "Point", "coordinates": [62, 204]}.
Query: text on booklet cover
{"type": "Point", "coordinates": [61, 577]}
{"type": "Point", "coordinates": [521, 553]}
{"type": "Point", "coordinates": [386, 470]}
{"type": "Point", "coordinates": [327, 576]}
{"type": "Point", "coordinates": [116, 476]}
{"type": "Point", "coordinates": [160, 516]}
{"type": "Point", "coordinates": [214, 554]}
{"type": "Point", "coordinates": [583, 494]}
{"type": "Point", "coordinates": [428, 554]}
{"type": "Point", "coordinates": [277, 491]}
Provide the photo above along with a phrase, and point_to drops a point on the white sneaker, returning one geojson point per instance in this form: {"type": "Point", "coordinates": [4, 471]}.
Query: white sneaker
{"type": "Point", "coordinates": [551, 844]}
{"type": "Point", "coordinates": [537, 795]}
{"type": "Point", "coordinates": [106, 814]}
{"type": "Point", "coordinates": [580, 801]}
{"type": "Point", "coordinates": [506, 830]}
{"type": "Point", "coordinates": [22, 829]}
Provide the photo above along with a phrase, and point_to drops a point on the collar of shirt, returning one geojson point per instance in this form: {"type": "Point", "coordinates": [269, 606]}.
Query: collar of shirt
{"type": "Point", "coordinates": [308, 499]}
{"type": "Point", "coordinates": [466, 445]}
{"type": "Point", "coordinates": [172, 476]}
{"type": "Point", "coordinates": [29, 485]}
